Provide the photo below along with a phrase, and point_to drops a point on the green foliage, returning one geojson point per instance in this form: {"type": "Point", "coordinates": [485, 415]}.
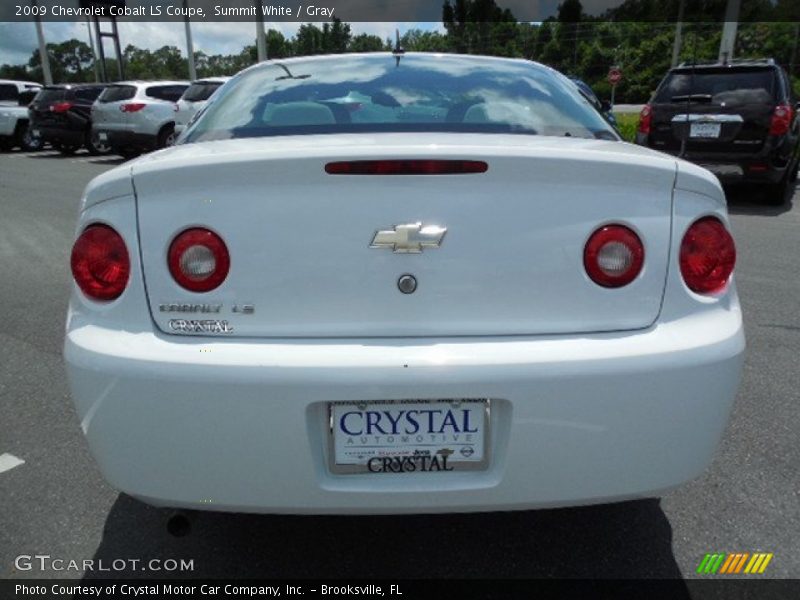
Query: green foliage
{"type": "Point", "coordinates": [627, 123]}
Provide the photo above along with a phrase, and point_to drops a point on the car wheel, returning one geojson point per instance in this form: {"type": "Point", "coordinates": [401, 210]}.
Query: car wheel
{"type": "Point", "coordinates": [128, 153]}
{"type": "Point", "coordinates": [29, 143]}
{"type": "Point", "coordinates": [6, 144]}
{"type": "Point", "coordinates": [67, 150]}
{"type": "Point", "coordinates": [166, 137]}
{"type": "Point", "coordinates": [95, 146]}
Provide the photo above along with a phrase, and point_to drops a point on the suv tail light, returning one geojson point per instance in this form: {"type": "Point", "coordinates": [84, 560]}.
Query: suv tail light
{"type": "Point", "coordinates": [100, 263]}
{"type": "Point", "coordinates": [781, 120]}
{"type": "Point", "coordinates": [132, 107]}
{"type": "Point", "coordinates": [707, 256]}
{"type": "Point", "coordinates": [645, 119]}
{"type": "Point", "coordinates": [198, 260]}
{"type": "Point", "coordinates": [60, 107]}
{"type": "Point", "coordinates": [613, 256]}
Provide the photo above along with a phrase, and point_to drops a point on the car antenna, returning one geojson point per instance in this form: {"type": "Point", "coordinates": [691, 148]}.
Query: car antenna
{"type": "Point", "coordinates": [398, 51]}
{"type": "Point", "coordinates": [289, 73]}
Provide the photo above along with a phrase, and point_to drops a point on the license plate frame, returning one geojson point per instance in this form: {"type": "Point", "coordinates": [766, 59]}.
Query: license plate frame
{"type": "Point", "coordinates": [456, 460]}
{"type": "Point", "coordinates": [705, 130]}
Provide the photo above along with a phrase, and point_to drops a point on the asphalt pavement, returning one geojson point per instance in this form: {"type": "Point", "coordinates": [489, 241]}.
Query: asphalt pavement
{"type": "Point", "coordinates": [56, 502]}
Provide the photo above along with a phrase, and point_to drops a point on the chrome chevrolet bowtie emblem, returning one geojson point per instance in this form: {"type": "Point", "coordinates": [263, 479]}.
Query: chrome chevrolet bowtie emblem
{"type": "Point", "coordinates": [411, 238]}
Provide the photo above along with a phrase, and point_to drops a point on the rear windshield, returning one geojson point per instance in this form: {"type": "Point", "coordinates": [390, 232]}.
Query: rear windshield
{"type": "Point", "coordinates": [88, 93]}
{"type": "Point", "coordinates": [719, 87]}
{"type": "Point", "coordinates": [8, 92]}
{"type": "Point", "coordinates": [170, 93]}
{"type": "Point", "coordinates": [200, 91]}
{"type": "Point", "coordinates": [50, 95]}
{"type": "Point", "coordinates": [117, 93]}
{"type": "Point", "coordinates": [384, 93]}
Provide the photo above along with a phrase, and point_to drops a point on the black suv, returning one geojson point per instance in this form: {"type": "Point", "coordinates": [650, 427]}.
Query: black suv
{"type": "Point", "coordinates": [739, 120]}
{"type": "Point", "coordinates": [62, 116]}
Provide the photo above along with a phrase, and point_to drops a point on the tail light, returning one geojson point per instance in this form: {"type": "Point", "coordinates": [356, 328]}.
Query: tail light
{"type": "Point", "coordinates": [645, 119]}
{"type": "Point", "coordinates": [100, 263]}
{"type": "Point", "coordinates": [707, 256]}
{"type": "Point", "coordinates": [406, 167]}
{"type": "Point", "coordinates": [60, 107]}
{"type": "Point", "coordinates": [613, 256]}
{"type": "Point", "coordinates": [198, 260]}
{"type": "Point", "coordinates": [781, 120]}
{"type": "Point", "coordinates": [132, 107]}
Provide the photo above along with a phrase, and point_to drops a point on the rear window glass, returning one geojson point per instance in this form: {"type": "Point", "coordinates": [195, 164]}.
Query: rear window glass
{"type": "Point", "coordinates": [381, 94]}
{"type": "Point", "coordinates": [198, 92]}
{"type": "Point", "coordinates": [89, 94]}
{"type": "Point", "coordinates": [8, 92]}
{"type": "Point", "coordinates": [51, 95]}
{"type": "Point", "coordinates": [720, 87]}
{"type": "Point", "coordinates": [117, 93]}
{"type": "Point", "coordinates": [170, 93]}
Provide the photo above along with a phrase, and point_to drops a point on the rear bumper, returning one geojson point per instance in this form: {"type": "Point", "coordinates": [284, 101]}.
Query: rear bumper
{"type": "Point", "coordinates": [242, 426]}
{"type": "Point", "coordinates": [62, 135]}
{"type": "Point", "coordinates": [124, 138]}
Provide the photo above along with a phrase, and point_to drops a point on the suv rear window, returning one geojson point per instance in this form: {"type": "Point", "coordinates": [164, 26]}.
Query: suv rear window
{"type": "Point", "coordinates": [724, 86]}
{"type": "Point", "coordinates": [170, 93]}
{"type": "Point", "coordinates": [200, 91]}
{"type": "Point", "coordinates": [8, 92]}
{"type": "Point", "coordinates": [117, 93]}
{"type": "Point", "coordinates": [51, 95]}
{"type": "Point", "coordinates": [372, 94]}
{"type": "Point", "coordinates": [89, 94]}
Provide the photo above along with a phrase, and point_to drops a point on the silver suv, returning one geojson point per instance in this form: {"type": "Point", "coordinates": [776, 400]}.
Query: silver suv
{"type": "Point", "coordinates": [194, 99]}
{"type": "Point", "coordinates": [137, 116]}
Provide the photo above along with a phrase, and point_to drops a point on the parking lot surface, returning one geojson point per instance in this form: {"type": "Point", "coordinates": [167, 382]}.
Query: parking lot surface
{"type": "Point", "coordinates": [57, 503]}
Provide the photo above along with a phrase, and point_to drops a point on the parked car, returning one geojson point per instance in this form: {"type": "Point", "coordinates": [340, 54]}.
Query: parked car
{"type": "Point", "coordinates": [15, 96]}
{"type": "Point", "coordinates": [739, 120]}
{"type": "Point", "coordinates": [61, 116]}
{"type": "Point", "coordinates": [194, 99]}
{"type": "Point", "coordinates": [456, 290]}
{"type": "Point", "coordinates": [602, 106]}
{"type": "Point", "coordinates": [137, 116]}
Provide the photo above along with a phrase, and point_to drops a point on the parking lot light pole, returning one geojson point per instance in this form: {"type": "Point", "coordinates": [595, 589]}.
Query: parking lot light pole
{"type": "Point", "coordinates": [728, 42]}
{"type": "Point", "coordinates": [43, 56]}
{"type": "Point", "coordinates": [189, 44]}
{"type": "Point", "coordinates": [261, 40]}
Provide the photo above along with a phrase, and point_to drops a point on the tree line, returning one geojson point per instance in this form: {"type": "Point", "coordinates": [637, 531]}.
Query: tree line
{"type": "Point", "coordinates": [637, 37]}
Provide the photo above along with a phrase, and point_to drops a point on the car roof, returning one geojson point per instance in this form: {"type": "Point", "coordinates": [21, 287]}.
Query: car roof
{"type": "Point", "coordinates": [140, 82]}
{"type": "Point", "coordinates": [74, 86]}
{"type": "Point", "coordinates": [21, 83]}
{"type": "Point", "coordinates": [211, 80]}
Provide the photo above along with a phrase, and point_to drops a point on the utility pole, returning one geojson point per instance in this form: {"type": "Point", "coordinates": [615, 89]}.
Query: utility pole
{"type": "Point", "coordinates": [43, 56]}
{"type": "Point", "coordinates": [794, 49]}
{"type": "Point", "coordinates": [261, 40]}
{"type": "Point", "coordinates": [676, 47]}
{"type": "Point", "coordinates": [189, 44]}
{"type": "Point", "coordinates": [94, 52]}
{"type": "Point", "coordinates": [728, 41]}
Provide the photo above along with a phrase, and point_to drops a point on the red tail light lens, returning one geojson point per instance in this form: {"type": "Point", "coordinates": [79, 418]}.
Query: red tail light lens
{"type": "Point", "coordinates": [132, 107]}
{"type": "Point", "coordinates": [406, 167]}
{"type": "Point", "coordinates": [781, 120]}
{"type": "Point", "coordinates": [60, 107]}
{"type": "Point", "coordinates": [613, 256]}
{"type": "Point", "coordinates": [707, 256]}
{"type": "Point", "coordinates": [100, 263]}
{"type": "Point", "coordinates": [198, 260]}
{"type": "Point", "coordinates": [645, 119]}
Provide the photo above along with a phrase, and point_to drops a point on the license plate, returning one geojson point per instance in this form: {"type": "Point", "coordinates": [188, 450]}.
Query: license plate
{"type": "Point", "coordinates": [705, 130]}
{"type": "Point", "coordinates": [35, 133]}
{"type": "Point", "coordinates": [413, 436]}
{"type": "Point", "coordinates": [102, 136]}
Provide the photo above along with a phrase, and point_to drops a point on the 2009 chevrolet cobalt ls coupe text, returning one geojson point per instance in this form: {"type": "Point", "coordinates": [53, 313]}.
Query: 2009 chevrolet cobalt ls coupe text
{"type": "Point", "coordinates": [402, 283]}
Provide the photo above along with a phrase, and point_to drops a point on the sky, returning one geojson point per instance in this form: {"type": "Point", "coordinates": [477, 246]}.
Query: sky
{"type": "Point", "coordinates": [18, 40]}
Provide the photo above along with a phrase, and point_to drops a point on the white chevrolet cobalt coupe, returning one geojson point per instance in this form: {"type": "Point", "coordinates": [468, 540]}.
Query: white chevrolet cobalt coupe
{"type": "Point", "coordinates": [392, 283]}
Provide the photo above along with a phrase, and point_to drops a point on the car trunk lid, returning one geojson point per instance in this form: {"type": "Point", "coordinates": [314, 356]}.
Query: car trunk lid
{"type": "Point", "coordinates": [300, 239]}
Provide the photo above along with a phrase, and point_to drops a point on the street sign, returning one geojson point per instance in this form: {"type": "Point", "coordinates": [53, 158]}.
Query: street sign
{"type": "Point", "coordinates": [614, 75]}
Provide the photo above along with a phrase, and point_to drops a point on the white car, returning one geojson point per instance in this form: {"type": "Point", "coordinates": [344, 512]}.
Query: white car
{"type": "Point", "coordinates": [136, 116]}
{"type": "Point", "coordinates": [15, 96]}
{"type": "Point", "coordinates": [471, 296]}
{"type": "Point", "coordinates": [194, 99]}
